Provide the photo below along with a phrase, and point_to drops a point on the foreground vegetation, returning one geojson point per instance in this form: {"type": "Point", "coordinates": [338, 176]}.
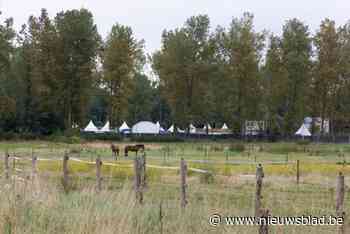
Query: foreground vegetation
{"type": "Point", "coordinates": [42, 206]}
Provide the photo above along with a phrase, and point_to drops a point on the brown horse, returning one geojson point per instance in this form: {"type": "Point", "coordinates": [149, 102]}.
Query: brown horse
{"type": "Point", "coordinates": [115, 151]}
{"type": "Point", "coordinates": [133, 148]}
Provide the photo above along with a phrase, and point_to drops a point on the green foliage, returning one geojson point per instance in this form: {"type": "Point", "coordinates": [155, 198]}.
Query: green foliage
{"type": "Point", "coordinates": [303, 142]}
{"type": "Point", "coordinates": [156, 138]}
{"type": "Point", "coordinates": [122, 58]}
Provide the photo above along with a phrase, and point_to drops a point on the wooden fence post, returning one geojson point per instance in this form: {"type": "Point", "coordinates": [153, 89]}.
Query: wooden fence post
{"type": "Point", "coordinates": [298, 171]}
{"type": "Point", "coordinates": [14, 163]}
{"type": "Point", "coordinates": [34, 169]}
{"type": "Point", "coordinates": [6, 164]}
{"type": "Point", "coordinates": [98, 174]}
{"type": "Point", "coordinates": [65, 172]}
{"type": "Point", "coordinates": [340, 190]}
{"type": "Point", "coordinates": [258, 196]}
{"type": "Point", "coordinates": [143, 170]}
{"type": "Point", "coordinates": [161, 217]}
{"type": "Point", "coordinates": [138, 189]}
{"type": "Point", "coordinates": [264, 228]}
{"type": "Point", "coordinates": [183, 172]}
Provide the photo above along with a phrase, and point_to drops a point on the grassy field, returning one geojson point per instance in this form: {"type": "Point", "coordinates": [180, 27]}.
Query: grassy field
{"type": "Point", "coordinates": [41, 205]}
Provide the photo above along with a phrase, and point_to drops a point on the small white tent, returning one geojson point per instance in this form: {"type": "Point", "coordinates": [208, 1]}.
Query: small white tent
{"type": "Point", "coordinates": [303, 131]}
{"type": "Point", "coordinates": [105, 128]}
{"type": "Point", "coordinates": [171, 129]}
{"type": "Point", "coordinates": [124, 128]}
{"type": "Point", "coordinates": [205, 127]}
{"type": "Point", "coordinates": [145, 127]}
{"type": "Point", "coordinates": [224, 127]}
{"type": "Point", "coordinates": [192, 128]}
{"type": "Point", "coordinates": [161, 129]}
{"type": "Point", "coordinates": [91, 127]}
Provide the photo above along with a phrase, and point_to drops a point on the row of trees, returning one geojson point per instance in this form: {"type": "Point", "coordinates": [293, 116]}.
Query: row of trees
{"type": "Point", "coordinates": [56, 73]}
{"type": "Point", "coordinates": [235, 74]}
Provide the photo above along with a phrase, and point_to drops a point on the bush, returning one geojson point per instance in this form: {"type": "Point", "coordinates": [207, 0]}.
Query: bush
{"type": "Point", "coordinates": [156, 138]}
{"type": "Point", "coordinates": [110, 136]}
{"type": "Point", "coordinates": [303, 142]}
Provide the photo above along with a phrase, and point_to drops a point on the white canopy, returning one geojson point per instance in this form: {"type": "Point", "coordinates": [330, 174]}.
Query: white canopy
{"type": "Point", "coordinates": [192, 128]}
{"type": "Point", "coordinates": [91, 127]}
{"type": "Point", "coordinates": [124, 127]}
{"type": "Point", "coordinates": [161, 129]}
{"type": "Point", "coordinates": [205, 127]}
{"type": "Point", "coordinates": [105, 128]}
{"type": "Point", "coordinates": [303, 131]}
{"type": "Point", "coordinates": [145, 127]}
{"type": "Point", "coordinates": [224, 127]}
{"type": "Point", "coordinates": [171, 129]}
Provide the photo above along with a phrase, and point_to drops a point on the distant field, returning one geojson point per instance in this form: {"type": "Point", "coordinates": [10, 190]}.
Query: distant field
{"type": "Point", "coordinates": [41, 206]}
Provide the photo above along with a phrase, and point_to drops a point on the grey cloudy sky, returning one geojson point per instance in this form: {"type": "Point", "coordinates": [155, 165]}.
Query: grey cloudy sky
{"type": "Point", "coordinates": [149, 18]}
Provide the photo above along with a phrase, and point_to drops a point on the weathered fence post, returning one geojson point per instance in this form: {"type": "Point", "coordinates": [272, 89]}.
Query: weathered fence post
{"type": "Point", "coordinates": [183, 173]}
{"type": "Point", "coordinates": [258, 196]}
{"type": "Point", "coordinates": [298, 171]}
{"type": "Point", "coordinates": [138, 189]}
{"type": "Point", "coordinates": [6, 164]}
{"type": "Point", "coordinates": [65, 172]}
{"type": "Point", "coordinates": [98, 174]}
{"type": "Point", "coordinates": [340, 190]}
{"type": "Point", "coordinates": [264, 228]}
{"type": "Point", "coordinates": [34, 169]}
{"type": "Point", "coordinates": [14, 163]}
{"type": "Point", "coordinates": [161, 217]}
{"type": "Point", "coordinates": [143, 170]}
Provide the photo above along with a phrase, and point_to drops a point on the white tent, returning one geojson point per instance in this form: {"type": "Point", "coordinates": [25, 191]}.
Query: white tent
{"type": "Point", "coordinates": [192, 128]}
{"type": "Point", "coordinates": [105, 128]}
{"type": "Point", "coordinates": [124, 127]}
{"type": "Point", "coordinates": [145, 127]}
{"type": "Point", "coordinates": [224, 127]}
{"type": "Point", "coordinates": [303, 131]}
{"type": "Point", "coordinates": [161, 129]}
{"type": "Point", "coordinates": [171, 129]}
{"type": "Point", "coordinates": [91, 127]}
{"type": "Point", "coordinates": [205, 127]}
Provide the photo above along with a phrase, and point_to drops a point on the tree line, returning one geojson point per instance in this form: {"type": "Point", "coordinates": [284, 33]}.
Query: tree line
{"type": "Point", "coordinates": [57, 73]}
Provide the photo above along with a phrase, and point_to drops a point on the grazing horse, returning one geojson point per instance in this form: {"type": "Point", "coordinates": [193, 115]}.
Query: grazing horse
{"type": "Point", "coordinates": [115, 151]}
{"type": "Point", "coordinates": [133, 148]}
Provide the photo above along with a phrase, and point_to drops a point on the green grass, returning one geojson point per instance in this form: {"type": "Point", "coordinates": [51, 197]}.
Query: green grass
{"type": "Point", "coordinates": [42, 206]}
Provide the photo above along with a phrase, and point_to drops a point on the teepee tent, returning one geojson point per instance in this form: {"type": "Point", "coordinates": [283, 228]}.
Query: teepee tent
{"type": "Point", "coordinates": [124, 128]}
{"type": "Point", "coordinates": [303, 131]}
{"type": "Point", "coordinates": [224, 127]}
{"type": "Point", "coordinates": [171, 129]}
{"type": "Point", "coordinates": [105, 128]}
{"type": "Point", "coordinates": [205, 127]}
{"type": "Point", "coordinates": [91, 127]}
{"type": "Point", "coordinates": [192, 128]}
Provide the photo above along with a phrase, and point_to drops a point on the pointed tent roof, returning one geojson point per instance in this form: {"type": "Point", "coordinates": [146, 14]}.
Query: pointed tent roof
{"type": "Point", "coordinates": [303, 131]}
{"type": "Point", "coordinates": [224, 127]}
{"type": "Point", "coordinates": [171, 129]}
{"type": "Point", "coordinates": [192, 128]}
{"type": "Point", "coordinates": [105, 128]}
{"type": "Point", "coordinates": [90, 127]}
{"type": "Point", "coordinates": [205, 127]}
{"type": "Point", "coordinates": [124, 127]}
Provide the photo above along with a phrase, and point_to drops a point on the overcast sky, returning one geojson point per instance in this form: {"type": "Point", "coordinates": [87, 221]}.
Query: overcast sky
{"type": "Point", "coordinates": [149, 18]}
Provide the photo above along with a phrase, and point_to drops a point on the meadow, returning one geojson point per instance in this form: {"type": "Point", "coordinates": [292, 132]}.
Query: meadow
{"type": "Point", "coordinates": [41, 205]}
